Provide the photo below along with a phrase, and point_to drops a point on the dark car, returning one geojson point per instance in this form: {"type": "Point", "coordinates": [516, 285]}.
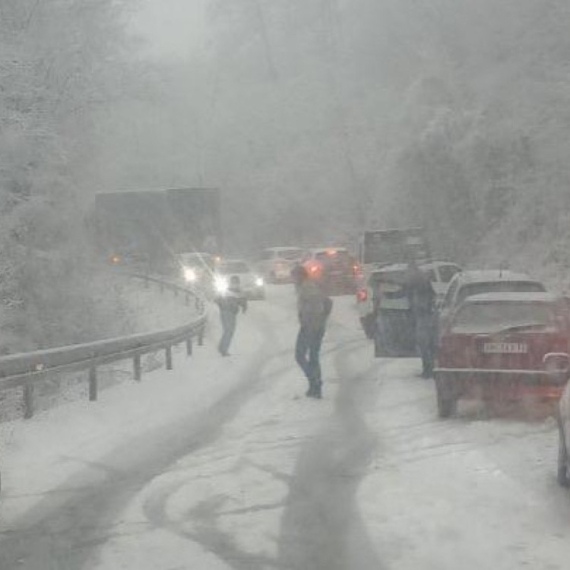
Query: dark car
{"type": "Point", "coordinates": [503, 346]}
{"type": "Point", "coordinates": [334, 268]}
{"type": "Point", "coordinates": [394, 329]}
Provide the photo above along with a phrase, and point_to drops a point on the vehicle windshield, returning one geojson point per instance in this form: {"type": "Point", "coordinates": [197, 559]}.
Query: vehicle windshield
{"type": "Point", "coordinates": [472, 289]}
{"type": "Point", "coordinates": [502, 316]}
{"type": "Point", "coordinates": [233, 267]}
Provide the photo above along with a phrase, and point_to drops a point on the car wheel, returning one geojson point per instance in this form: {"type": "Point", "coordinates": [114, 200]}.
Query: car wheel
{"type": "Point", "coordinates": [563, 475]}
{"type": "Point", "coordinates": [446, 398]}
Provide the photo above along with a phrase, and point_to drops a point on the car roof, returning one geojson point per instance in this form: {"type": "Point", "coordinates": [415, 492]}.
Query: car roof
{"type": "Point", "coordinates": [490, 275]}
{"type": "Point", "coordinates": [326, 249]}
{"type": "Point", "coordinates": [431, 264]}
{"type": "Point", "coordinates": [507, 297]}
{"type": "Point", "coordinates": [228, 261]}
{"type": "Point", "coordinates": [283, 248]}
{"type": "Point", "coordinates": [395, 267]}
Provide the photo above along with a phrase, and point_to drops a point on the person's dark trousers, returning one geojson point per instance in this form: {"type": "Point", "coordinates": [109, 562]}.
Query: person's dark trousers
{"type": "Point", "coordinates": [307, 355]}
{"type": "Point", "coordinates": [229, 320]}
{"type": "Point", "coordinates": [426, 338]}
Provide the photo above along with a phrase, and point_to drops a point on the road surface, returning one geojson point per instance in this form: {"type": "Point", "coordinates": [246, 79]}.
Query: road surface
{"type": "Point", "coordinates": [224, 464]}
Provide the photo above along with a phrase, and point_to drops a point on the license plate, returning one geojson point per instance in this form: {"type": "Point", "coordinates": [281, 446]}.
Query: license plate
{"type": "Point", "coordinates": [505, 348]}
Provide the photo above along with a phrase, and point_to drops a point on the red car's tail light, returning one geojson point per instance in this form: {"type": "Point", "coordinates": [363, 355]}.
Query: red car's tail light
{"type": "Point", "coordinates": [362, 295]}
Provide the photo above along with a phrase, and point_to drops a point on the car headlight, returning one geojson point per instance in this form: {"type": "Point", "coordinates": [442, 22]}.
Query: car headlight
{"type": "Point", "coordinates": [190, 275]}
{"type": "Point", "coordinates": [259, 282]}
{"type": "Point", "coordinates": [221, 285]}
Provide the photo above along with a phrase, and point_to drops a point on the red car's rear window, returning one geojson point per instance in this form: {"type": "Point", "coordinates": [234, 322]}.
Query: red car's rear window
{"type": "Point", "coordinates": [496, 317]}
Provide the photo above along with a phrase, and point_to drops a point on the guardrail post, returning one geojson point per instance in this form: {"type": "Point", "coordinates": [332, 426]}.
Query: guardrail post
{"type": "Point", "coordinates": [137, 367]}
{"type": "Point", "coordinates": [201, 337]}
{"type": "Point", "coordinates": [189, 346]}
{"type": "Point", "coordinates": [168, 358]}
{"type": "Point", "coordinates": [93, 383]}
{"type": "Point", "coordinates": [28, 400]}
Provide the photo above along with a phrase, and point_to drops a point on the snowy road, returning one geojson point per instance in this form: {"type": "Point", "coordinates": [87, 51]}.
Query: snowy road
{"type": "Point", "coordinates": [224, 464]}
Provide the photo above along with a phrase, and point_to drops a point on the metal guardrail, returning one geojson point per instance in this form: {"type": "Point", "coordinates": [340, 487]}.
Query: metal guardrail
{"type": "Point", "coordinates": [26, 369]}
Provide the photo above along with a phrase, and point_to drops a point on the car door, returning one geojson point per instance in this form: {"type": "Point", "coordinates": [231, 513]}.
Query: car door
{"type": "Point", "coordinates": [448, 302]}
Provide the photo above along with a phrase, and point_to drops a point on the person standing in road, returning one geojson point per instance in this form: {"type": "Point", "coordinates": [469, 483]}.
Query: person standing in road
{"type": "Point", "coordinates": [230, 303]}
{"type": "Point", "coordinates": [422, 305]}
{"type": "Point", "coordinates": [314, 308]}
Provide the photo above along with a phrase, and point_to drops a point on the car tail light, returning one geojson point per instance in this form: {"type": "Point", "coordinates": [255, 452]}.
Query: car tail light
{"type": "Point", "coordinates": [362, 295]}
{"type": "Point", "coordinates": [314, 269]}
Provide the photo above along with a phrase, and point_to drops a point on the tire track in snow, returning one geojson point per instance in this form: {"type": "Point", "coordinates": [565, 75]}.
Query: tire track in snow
{"type": "Point", "coordinates": [321, 528]}
{"type": "Point", "coordinates": [62, 535]}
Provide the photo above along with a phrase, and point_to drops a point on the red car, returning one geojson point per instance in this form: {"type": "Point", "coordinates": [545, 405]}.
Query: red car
{"type": "Point", "coordinates": [334, 268]}
{"type": "Point", "coordinates": [502, 346]}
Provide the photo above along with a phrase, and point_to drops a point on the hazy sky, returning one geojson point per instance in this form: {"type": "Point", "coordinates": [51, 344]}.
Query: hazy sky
{"type": "Point", "coordinates": [173, 27]}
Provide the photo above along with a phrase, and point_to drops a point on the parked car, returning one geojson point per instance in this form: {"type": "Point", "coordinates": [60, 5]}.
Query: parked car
{"type": "Point", "coordinates": [275, 263]}
{"type": "Point", "coordinates": [564, 438]}
{"type": "Point", "coordinates": [370, 290]}
{"type": "Point", "coordinates": [503, 346]}
{"type": "Point", "coordinates": [440, 274]}
{"type": "Point", "coordinates": [252, 284]}
{"type": "Point", "coordinates": [197, 268]}
{"type": "Point", "coordinates": [334, 268]}
{"type": "Point", "coordinates": [468, 283]}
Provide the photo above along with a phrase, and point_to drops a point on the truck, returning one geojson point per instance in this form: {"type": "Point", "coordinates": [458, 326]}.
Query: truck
{"type": "Point", "coordinates": [381, 298]}
{"type": "Point", "coordinates": [379, 248]}
{"type": "Point", "coordinates": [148, 230]}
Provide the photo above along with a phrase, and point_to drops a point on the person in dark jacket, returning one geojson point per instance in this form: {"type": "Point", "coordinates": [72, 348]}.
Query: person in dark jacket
{"type": "Point", "coordinates": [230, 303]}
{"type": "Point", "coordinates": [313, 308]}
{"type": "Point", "coordinates": [422, 299]}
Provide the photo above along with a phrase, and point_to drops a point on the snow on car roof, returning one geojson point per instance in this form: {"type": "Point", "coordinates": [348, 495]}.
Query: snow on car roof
{"type": "Point", "coordinates": [508, 297]}
{"type": "Point", "coordinates": [327, 249]}
{"type": "Point", "coordinates": [404, 266]}
{"type": "Point", "coordinates": [487, 275]}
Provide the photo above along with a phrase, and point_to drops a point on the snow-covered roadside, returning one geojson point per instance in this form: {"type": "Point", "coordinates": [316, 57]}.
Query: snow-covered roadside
{"type": "Point", "coordinates": [145, 309]}
{"type": "Point", "coordinates": [153, 310]}
{"type": "Point", "coordinates": [40, 454]}
{"type": "Point", "coordinates": [469, 492]}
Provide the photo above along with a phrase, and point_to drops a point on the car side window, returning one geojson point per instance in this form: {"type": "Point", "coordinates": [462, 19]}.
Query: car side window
{"type": "Point", "coordinates": [450, 294]}
{"type": "Point", "coordinates": [447, 272]}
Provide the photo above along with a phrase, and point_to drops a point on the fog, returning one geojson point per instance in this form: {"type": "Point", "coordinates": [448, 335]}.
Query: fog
{"type": "Point", "coordinates": [314, 118]}
{"type": "Point", "coordinates": [204, 185]}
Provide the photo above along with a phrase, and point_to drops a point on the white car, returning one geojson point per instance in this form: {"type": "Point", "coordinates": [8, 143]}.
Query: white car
{"type": "Point", "coordinates": [251, 283]}
{"type": "Point", "coordinates": [392, 277]}
{"type": "Point", "coordinates": [197, 268]}
{"type": "Point", "coordinates": [275, 263]}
